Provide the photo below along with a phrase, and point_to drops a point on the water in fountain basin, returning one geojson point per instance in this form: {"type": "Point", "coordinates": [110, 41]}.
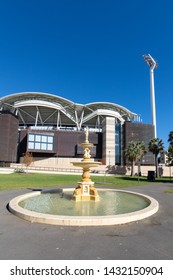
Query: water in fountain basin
{"type": "Point", "coordinates": [111, 203]}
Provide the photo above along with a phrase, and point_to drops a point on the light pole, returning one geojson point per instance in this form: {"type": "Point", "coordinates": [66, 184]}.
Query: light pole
{"type": "Point", "coordinates": [152, 64]}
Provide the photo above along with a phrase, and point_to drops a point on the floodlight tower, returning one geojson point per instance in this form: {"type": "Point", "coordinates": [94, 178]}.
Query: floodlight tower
{"type": "Point", "coordinates": [152, 64]}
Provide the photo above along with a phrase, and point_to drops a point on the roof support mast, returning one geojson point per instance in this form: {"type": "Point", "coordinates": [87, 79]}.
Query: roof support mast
{"type": "Point", "coordinates": [152, 64]}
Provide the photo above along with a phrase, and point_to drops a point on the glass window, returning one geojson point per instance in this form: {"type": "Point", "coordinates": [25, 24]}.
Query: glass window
{"type": "Point", "coordinates": [44, 139]}
{"type": "Point", "coordinates": [118, 144]}
{"type": "Point", "coordinates": [37, 146]}
{"type": "Point", "coordinates": [31, 145]}
{"type": "Point", "coordinates": [40, 142]}
{"type": "Point", "coordinates": [43, 146]}
{"type": "Point", "coordinates": [50, 139]}
{"type": "Point", "coordinates": [50, 147]}
{"type": "Point", "coordinates": [31, 137]}
{"type": "Point", "coordinates": [37, 138]}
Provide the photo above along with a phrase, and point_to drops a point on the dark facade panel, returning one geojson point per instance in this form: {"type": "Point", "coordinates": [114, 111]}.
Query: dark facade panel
{"type": "Point", "coordinates": [69, 143]}
{"type": "Point", "coordinates": [139, 132]}
{"type": "Point", "coordinates": [66, 143]}
{"type": "Point", "coordinates": [8, 137]}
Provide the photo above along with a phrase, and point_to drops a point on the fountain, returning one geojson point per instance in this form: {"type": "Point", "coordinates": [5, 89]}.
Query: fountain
{"type": "Point", "coordinates": [83, 206]}
{"type": "Point", "coordinates": [85, 189]}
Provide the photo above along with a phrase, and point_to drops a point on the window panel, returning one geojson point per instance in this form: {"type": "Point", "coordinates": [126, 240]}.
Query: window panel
{"type": "Point", "coordinates": [37, 138]}
{"type": "Point", "coordinates": [50, 147]}
{"type": "Point", "coordinates": [43, 146]}
{"type": "Point", "coordinates": [50, 139]}
{"type": "Point", "coordinates": [37, 146]}
{"type": "Point", "coordinates": [31, 137]}
{"type": "Point", "coordinates": [31, 145]}
{"type": "Point", "coordinates": [44, 139]}
{"type": "Point", "coordinates": [40, 142]}
{"type": "Point", "coordinates": [118, 144]}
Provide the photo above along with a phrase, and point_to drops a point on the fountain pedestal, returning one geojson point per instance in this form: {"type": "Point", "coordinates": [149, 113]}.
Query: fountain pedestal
{"type": "Point", "coordinates": [85, 189]}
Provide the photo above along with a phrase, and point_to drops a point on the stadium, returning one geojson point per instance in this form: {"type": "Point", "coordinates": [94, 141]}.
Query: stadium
{"type": "Point", "coordinates": [52, 128]}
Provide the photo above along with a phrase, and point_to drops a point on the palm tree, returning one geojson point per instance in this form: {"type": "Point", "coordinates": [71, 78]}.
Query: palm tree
{"type": "Point", "coordinates": [170, 155]}
{"type": "Point", "coordinates": [156, 147]}
{"type": "Point", "coordinates": [142, 152]}
{"type": "Point", "coordinates": [134, 152]}
{"type": "Point", "coordinates": [169, 160]}
{"type": "Point", "coordinates": [170, 138]}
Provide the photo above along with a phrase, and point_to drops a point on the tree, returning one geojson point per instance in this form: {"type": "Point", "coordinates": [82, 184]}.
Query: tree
{"type": "Point", "coordinates": [170, 155]}
{"type": "Point", "coordinates": [142, 152]}
{"type": "Point", "coordinates": [170, 138]}
{"type": "Point", "coordinates": [28, 158]}
{"type": "Point", "coordinates": [156, 147]}
{"type": "Point", "coordinates": [169, 160]}
{"type": "Point", "coordinates": [170, 149]}
{"type": "Point", "coordinates": [134, 152]}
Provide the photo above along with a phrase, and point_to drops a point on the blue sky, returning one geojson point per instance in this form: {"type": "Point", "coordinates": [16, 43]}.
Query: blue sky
{"type": "Point", "coordinates": [89, 51]}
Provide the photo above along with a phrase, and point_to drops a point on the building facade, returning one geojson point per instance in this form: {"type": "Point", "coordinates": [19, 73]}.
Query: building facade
{"type": "Point", "coordinates": [50, 126]}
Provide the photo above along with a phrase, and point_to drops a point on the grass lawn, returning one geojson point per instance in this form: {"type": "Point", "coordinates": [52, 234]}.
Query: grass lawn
{"type": "Point", "coordinates": [35, 180]}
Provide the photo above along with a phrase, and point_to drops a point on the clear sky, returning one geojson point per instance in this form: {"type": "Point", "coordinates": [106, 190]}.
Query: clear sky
{"type": "Point", "coordinates": [89, 51]}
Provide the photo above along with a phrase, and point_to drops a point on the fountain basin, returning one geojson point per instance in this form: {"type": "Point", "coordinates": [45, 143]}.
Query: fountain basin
{"type": "Point", "coordinates": [86, 164]}
{"type": "Point", "coordinates": [149, 209]}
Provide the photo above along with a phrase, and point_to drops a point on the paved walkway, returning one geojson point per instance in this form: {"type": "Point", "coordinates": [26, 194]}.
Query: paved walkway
{"type": "Point", "coordinates": [151, 238]}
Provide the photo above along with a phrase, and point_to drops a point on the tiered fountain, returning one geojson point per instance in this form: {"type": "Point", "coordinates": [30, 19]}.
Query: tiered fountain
{"type": "Point", "coordinates": [83, 206]}
{"type": "Point", "coordinates": [85, 189]}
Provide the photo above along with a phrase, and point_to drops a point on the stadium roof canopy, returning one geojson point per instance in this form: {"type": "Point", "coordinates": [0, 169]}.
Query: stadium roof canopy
{"type": "Point", "coordinates": [43, 109]}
